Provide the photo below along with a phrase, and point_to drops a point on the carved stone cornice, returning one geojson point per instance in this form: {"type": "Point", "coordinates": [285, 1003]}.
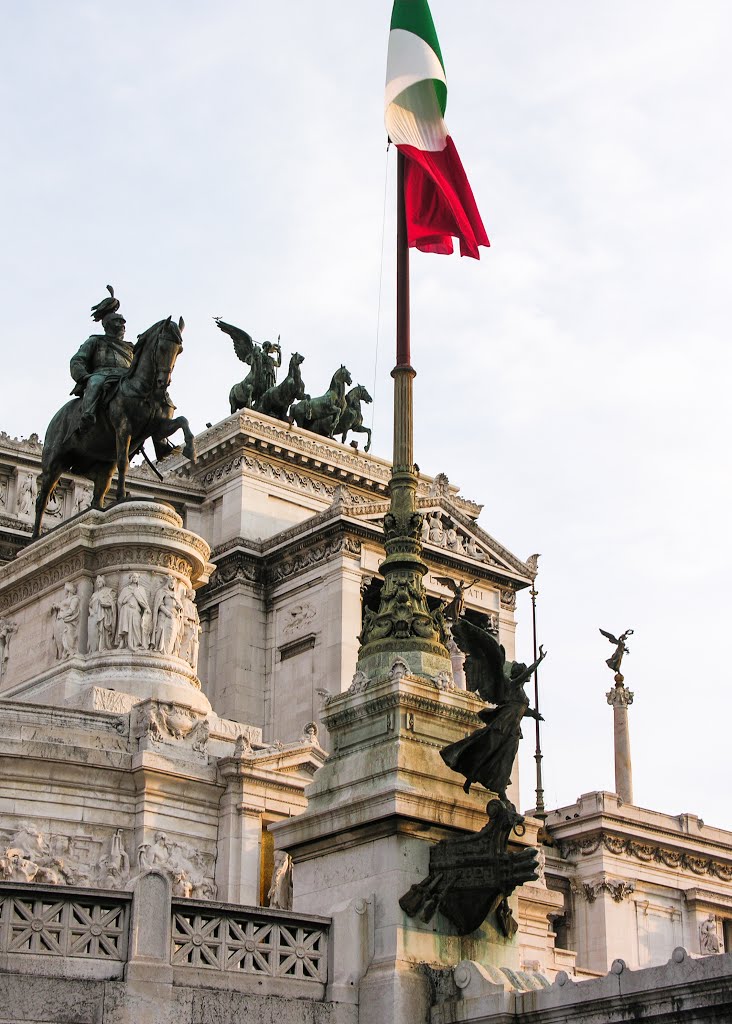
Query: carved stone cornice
{"type": "Point", "coordinates": [648, 853]}
{"type": "Point", "coordinates": [335, 718]}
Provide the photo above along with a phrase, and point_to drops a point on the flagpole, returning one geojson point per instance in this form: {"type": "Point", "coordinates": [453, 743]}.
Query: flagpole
{"type": "Point", "coordinates": [403, 626]}
{"type": "Point", "coordinates": [403, 373]}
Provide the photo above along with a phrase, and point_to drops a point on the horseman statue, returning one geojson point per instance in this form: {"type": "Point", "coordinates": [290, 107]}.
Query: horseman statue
{"type": "Point", "coordinates": [121, 399]}
{"type": "Point", "coordinates": [102, 359]}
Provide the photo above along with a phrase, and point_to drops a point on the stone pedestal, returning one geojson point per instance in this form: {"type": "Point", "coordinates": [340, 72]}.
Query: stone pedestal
{"type": "Point", "coordinates": [141, 551]}
{"type": "Point", "coordinates": [376, 807]}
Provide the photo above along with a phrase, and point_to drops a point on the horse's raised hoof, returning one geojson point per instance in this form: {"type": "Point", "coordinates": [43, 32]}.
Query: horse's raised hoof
{"type": "Point", "coordinates": [190, 452]}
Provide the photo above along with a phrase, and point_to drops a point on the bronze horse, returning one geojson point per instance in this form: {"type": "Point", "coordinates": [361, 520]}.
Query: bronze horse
{"type": "Point", "coordinates": [352, 417]}
{"type": "Point", "coordinates": [278, 399]}
{"type": "Point", "coordinates": [137, 408]}
{"type": "Point", "coordinates": [321, 415]}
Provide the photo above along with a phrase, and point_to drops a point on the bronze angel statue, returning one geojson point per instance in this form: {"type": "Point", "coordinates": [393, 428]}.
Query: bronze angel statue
{"type": "Point", "coordinates": [455, 608]}
{"type": "Point", "coordinates": [488, 754]}
{"type": "Point", "coordinates": [616, 659]}
{"type": "Point", "coordinates": [264, 359]}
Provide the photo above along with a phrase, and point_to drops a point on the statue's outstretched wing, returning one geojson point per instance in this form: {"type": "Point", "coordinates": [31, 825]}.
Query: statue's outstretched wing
{"type": "Point", "coordinates": [484, 662]}
{"type": "Point", "coordinates": [611, 638]}
{"type": "Point", "coordinates": [243, 342]}
{"type": "Point", "coordinates": [448, 583]}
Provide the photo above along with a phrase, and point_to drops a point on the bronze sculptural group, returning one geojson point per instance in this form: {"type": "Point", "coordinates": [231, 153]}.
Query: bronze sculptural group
{"type": "Point", "coordinates": [616, 659]}
{"type": "Point", "coordinates": [120, 400]}
{"type": "Point", "coordinates": [472, 876]}
{"type": "Point", "coordinates": [335, 412]}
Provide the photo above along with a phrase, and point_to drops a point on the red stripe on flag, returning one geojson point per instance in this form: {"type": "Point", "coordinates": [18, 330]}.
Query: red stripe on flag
{"type": "Point", "coordinates": [439, 203]}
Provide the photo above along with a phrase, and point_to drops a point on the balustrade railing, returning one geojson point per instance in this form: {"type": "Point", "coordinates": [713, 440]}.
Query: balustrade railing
{"type": "Point", "coordinates": [62, 921]}
{"type": "Point", "coordinates": [255, 941]}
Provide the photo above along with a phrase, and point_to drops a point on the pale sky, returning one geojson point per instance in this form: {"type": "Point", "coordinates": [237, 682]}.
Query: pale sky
{"type": "Point", "coordinates": [228, 159]}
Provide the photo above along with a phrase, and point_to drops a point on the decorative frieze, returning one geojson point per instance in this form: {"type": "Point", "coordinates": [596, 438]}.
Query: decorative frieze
{"type": "Point", "coordinates": [646, 852]}
{"type": "Point", "coordinates": [313, 556]}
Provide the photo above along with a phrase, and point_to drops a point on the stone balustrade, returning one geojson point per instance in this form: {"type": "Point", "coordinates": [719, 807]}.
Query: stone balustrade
{"type": "Point", "coordinates": [45, 924]}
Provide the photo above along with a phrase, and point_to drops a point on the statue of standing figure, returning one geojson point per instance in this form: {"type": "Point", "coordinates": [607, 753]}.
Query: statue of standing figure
{"type": "Point", "coordinates": [66, 626]}
{"type": "Point", "coordinates": [191, 630]}
{"type": "Point", "coordinates": [167, 618]}
{"type": "Point", "coordinates": [133, 616]}
{"type": "Point", "coordinates": [615, 661]}
{"type": "Point", "coordinates": [102, 617]}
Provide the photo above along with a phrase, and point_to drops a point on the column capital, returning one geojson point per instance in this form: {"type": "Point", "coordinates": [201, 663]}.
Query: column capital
{"type": "Point", "coordinates": [620, 696]}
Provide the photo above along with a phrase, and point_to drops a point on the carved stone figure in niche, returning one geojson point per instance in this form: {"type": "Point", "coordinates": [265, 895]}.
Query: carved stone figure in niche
{"type": "Point", "coordinates": [708, 936]}
{"type": "Point", "coordinates": [114, 867]}
{"type": "Point", "coordinates": [8, 630]}
{"type": "Point", "coordinates": [488, 754]}
{"type": "Point", "coordinates": [279, 896]}
{"type": "Point", "coordinates": [167, 617]}
{"type": "Point", "coordinates": [27, 491]}
{"type": "Point", "coordinates": [455, 608]}
{"type": "Point", "coordinates": [437, 533]}
{"type": "Point", "coordinates": [102, 617]}
{"type": "Point", "coordinates": [191, 632]}
{"type": "Point", "coordinates": [66, 626]}
{"type": "Point", "coordinates": [134, 617]}
{"type": "Point", "coordinates": [82, 498]}
{"type": "Point", "coordinates": [472, 549]}
{"type": "Point", "coordinates": [3, 492]}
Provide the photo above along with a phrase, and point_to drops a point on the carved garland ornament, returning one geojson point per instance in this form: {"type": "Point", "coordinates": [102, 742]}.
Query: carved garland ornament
{"type": "Point", "coordinates": [647, 853]}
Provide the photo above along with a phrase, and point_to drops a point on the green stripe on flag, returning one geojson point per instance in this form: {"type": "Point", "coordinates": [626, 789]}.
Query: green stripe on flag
{"type": "Point", "coordinates": [415, 16]}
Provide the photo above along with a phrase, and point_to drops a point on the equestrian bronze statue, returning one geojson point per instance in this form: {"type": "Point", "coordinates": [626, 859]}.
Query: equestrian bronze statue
{"type": "Point", "coordinates": [121, 401]}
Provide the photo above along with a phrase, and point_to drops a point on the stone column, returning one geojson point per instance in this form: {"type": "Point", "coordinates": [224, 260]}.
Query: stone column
{"type": "Point", "coordinates": [620, 697]}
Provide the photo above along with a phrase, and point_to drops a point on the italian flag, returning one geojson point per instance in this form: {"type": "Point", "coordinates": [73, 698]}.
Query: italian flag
{"type": "Point", "coordinates": [438, 198]}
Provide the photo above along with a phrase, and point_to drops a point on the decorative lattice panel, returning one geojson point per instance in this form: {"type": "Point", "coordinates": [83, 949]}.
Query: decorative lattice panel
{"type": "Point", "coordinates": [253, 944]}
{"type": "Point", "coordinates": [60, 925]}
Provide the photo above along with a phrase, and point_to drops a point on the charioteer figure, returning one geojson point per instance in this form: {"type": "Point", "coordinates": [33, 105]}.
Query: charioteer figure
{"type": "Point", "coordinates": [101, 359]}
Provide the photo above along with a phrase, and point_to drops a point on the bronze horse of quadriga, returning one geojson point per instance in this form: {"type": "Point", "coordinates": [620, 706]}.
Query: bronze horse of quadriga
{"type": "Point", "coordinates": [137, 408]}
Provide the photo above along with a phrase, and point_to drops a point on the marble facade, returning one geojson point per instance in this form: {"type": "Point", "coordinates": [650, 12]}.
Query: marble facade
{"type": "Point", "coordinates": [179, 695]}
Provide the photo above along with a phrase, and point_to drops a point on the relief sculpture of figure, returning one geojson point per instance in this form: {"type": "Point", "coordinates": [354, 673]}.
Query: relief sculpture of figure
{"type": "Point", "coordinates": [488, 754]}
{"type": "Point", "coordinates": [264, 359]}
{"type": "Point", "coordinates": [102, 617]}
{"type": "Point", "coordinates": [66, 626]}
{"type": "Point", "coordinates": [132, 607]}
{"type": "Point", "coordinates": [191, 630]}
{"type": "Point", "coordinates": [279, 896]}
{"type": "Point", "coordinates": [27, 496]}
{"type": "Point", "coordinates": [167, 617]}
